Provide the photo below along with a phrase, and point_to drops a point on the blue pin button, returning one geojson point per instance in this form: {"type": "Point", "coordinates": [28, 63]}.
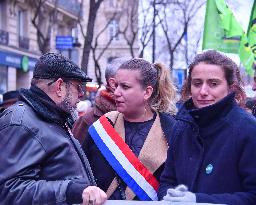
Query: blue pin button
{"type": "Point", "coordinates": [209, 169]}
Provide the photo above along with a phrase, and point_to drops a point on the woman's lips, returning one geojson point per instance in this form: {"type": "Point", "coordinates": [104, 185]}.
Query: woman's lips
{"type": "Point", "coordinates": [205, 102]}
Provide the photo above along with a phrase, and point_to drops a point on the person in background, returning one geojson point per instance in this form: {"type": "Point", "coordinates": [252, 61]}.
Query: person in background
{"type": "Point", "coordinates": [83, 106]}
{"type": "Point", "coordinates": [254, 81]}
{"type": "Point", "coordinates": [254, 110]}
{"type": "Point", "coordinates": [41, 162]}
{"type": "Point", "coordinates": [250, 104]}
{"type": "Point", "coordinates": [211, 154]}
{"type": "Point", "coordinates": [104, 102]}
{"type": "Point", "coordinates": [9, 98]}
{"type": "Point", "coordinates": [254, 89]}
{"type": "Point", "coordinates": [127, 148]}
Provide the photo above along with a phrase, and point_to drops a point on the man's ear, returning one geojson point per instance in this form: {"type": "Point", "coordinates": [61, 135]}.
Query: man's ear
{"type": "Point", "coordinates": [112, 83]}
{"type": "Point", "coordinates": [148, 92]}
{"type": "Point", "coordinates": [59, 87]}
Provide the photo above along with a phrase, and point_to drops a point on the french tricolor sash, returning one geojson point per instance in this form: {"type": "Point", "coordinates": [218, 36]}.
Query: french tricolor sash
{"type": "Point", "coordinates": [123, 160]}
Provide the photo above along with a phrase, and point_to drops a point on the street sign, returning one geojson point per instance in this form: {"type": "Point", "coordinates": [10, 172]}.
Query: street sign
{"type": "Point", "coordinates": [64, 42]}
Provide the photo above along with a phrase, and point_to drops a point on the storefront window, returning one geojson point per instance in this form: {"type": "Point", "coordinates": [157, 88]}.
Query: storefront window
{"type": "Point", "coordinates": [3, 79]}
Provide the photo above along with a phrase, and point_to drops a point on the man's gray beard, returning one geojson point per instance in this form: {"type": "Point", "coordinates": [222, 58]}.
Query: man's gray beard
{"type": "Point", "coordinates": [65, 105]}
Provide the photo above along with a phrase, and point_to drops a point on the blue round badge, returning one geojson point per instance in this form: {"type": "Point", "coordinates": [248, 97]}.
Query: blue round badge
{"type": "Point", "coordinates": [209, 169]}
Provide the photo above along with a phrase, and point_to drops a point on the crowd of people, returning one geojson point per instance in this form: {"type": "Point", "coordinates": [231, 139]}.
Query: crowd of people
{"type": "Point", "coordinates": [134, 143]}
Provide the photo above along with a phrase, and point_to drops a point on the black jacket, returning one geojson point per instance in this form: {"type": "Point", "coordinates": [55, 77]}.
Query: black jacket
{"type": "Point", "coordinates": [213, 153]}
{"type": "Point", "coordinates": [39, 159]}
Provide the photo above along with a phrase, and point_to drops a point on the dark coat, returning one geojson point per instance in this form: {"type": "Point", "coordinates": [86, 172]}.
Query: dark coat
{"type": "Point", "coordinates": [104, 173]}
{"type": "Point", "coordinates": [213, 152]}
{"type": "Point", "coordinates": [38, 159]}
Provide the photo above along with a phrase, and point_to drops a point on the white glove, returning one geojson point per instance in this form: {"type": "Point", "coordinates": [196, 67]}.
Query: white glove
{"type": "Point", "coordinates": [180, 194]}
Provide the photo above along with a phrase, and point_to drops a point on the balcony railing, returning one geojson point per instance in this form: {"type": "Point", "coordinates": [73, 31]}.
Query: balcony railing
{"type": "Point", "coordinates": [23, 42]}
{"type": "Point", "coordinates": [71, 6]}
{"type": "Point", "coordinates": [4, 37]}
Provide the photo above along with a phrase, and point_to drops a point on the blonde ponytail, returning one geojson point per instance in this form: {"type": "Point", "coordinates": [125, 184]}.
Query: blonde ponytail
{"type": "Point", "coordinates": [164, 99]}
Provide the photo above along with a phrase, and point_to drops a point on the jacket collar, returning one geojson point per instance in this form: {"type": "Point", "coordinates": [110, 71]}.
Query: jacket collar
{"type": "Point", "coordinates": [43, 105]}
{"type": "Point", "coordinates": [207, 115]}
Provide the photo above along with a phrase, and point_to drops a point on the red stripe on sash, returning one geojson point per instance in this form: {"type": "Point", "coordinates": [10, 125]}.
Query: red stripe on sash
{"type": "Point", "coordinates": [128, 153]}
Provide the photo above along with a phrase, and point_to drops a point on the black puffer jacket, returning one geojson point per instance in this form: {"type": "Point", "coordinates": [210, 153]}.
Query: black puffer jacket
{"type": "Point", "coordinates": [39, 158]}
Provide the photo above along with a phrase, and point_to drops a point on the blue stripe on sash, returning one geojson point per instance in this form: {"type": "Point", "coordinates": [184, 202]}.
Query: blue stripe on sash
{"type": "Point", "coordinates": [142, 195]}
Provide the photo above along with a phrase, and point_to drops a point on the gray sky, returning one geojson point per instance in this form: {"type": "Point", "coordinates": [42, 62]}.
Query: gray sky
{"type": "Point", "coordinates": [241, 10]}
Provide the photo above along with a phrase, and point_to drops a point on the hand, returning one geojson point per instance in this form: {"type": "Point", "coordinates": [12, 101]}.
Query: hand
{"type": "Point", "coordinates": [180, 194]}
{"type": "Point", "coordinates": [93, 195]}
{"type": "Point", "coordinates": [179, 191]}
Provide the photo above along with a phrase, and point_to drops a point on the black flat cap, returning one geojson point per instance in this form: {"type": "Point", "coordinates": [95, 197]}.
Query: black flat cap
{"type": "Point", "coordinates": [55, 65]}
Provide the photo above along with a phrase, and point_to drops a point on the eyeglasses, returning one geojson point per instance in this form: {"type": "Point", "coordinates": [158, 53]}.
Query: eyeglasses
{"type": "Point", "coordinates": [78, 87]}
{"type": "Point", "coordinates": [50, 83]}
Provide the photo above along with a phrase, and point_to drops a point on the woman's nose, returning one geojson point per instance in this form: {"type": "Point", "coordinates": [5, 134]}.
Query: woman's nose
{"type": "Point", "coordinates": [204, 90]}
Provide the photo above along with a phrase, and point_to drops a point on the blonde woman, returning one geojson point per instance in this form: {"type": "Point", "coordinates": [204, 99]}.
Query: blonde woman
{"type": "Point", "coordinates": [127, 148]}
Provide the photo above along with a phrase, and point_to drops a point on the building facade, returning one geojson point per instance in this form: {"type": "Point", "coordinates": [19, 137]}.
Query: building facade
{"type": "Point", "coordinates": [57, 21]}
{"type": "Point", "coordinates": [117, 24]}
{"type": "Point", "coordinates": [19, 48]}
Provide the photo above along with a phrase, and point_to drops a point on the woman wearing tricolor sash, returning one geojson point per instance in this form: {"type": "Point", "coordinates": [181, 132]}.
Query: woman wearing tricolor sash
{"type": "Point", "coordinates": [127, 148]}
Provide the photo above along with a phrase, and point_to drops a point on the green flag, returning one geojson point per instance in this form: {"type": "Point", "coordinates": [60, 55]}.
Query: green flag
{"type": "Point", "coordinates": [251, 32]}
{"type": "Point", "coordinates": [246, 55]}
{"type": "Point", "coordinates": [223, 32]}
{"type": "Point", "coordinates": [215, 30]}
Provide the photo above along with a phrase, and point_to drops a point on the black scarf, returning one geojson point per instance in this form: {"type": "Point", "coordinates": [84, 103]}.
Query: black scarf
{"type": "Point", "coordinates": [44, 106]}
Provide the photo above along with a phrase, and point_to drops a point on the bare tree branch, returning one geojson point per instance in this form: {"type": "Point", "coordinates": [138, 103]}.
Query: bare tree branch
{"type": "Point", "coordinates": [130, 32]}
{"type": "Point", "coordinates": [184, 12]}
{"type": "Point", "coordinates": [38, 20]}
{"type": "Point", "coordinates": [94, 6]}
{"type": "Point", "coordinates": [94, 48]}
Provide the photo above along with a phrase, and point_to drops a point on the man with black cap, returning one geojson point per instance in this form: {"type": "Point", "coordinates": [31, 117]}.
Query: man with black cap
{"type": "Point", "coordinates": [41, 162]}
